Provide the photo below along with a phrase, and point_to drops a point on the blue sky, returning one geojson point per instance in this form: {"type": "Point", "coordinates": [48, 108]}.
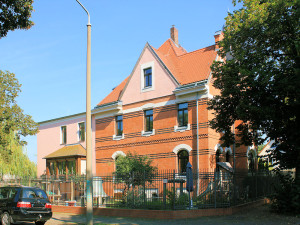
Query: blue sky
{"type": "Point", "coordinates": [49, 59]}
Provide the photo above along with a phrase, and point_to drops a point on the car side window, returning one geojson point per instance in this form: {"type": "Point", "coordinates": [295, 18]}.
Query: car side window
{"type": "Point", "coordinates": [4, 193]}
{"type": "Point", "coordinates": [12, 192]}
{"type": "Point", "coordinates": [28, 193]}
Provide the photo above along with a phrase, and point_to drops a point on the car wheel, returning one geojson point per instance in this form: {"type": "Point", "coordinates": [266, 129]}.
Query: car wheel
{"type": "Point", "coordinates": [40, 222]}
{"type": "Point", "coordinates": [5, 219]}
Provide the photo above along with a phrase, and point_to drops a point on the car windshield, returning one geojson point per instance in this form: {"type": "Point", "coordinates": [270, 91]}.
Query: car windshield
{"type": "Point", "coordinates": [34, 193]}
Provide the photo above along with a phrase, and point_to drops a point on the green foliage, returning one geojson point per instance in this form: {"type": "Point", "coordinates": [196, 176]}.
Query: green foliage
{"type": "Point", "coordinates": [134, 169]}
{"type": "Point", "coordinates": [12, 117]}
{"type": "Point", "coordinates": [262, 165]}
{"type": "Point", "coordinates": [287, 196]}
{"type": "Point", "coordinates": [16, 162]}
{"type": "Point", "coordinates": [15, 15]}
{"type": "Point", "coordinates": [173, 198]}
{"type": "Point", "coordinates": [259, 83]}
{"type": "Point", "coordinates": [13, 125]}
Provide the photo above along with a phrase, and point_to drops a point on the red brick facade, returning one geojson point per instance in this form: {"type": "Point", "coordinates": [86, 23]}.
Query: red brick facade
{"type": "Point", "coordinates": [166, 141]}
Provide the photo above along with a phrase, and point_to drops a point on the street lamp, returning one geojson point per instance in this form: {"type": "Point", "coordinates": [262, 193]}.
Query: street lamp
{"type": "Point", "coordinates": [89, 175]}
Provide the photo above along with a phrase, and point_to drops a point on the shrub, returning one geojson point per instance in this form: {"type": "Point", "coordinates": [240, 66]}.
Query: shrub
{"type": "Point", "coordinates": [287, 196]}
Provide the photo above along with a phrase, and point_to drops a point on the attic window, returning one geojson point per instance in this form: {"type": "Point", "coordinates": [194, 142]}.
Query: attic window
{"type": "Point", "coordinates": [148, 77]}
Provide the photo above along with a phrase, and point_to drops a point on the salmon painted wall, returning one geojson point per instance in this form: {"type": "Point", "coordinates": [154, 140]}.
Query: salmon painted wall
{"type": "Point", "coordinates": [49, 139]}
{"type": "Point", "coordinates": [162, 83]}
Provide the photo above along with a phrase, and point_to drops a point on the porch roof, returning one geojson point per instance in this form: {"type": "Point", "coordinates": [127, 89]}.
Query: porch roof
{"type": "Point", "coordinates": [67, 151]}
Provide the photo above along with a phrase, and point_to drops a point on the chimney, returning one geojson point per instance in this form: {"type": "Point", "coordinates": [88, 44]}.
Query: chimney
{"type": "Point", "coordinates": [174, 35]}
{"type": "Point", "coordinates": [218, 37]}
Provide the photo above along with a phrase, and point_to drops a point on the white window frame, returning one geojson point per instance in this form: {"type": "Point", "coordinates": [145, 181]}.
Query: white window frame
{"type": "Point", "coordinates": [145, 66]}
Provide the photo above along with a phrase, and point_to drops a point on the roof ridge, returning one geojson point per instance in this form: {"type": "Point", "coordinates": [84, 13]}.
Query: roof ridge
{"type": "Point", "coordinates": [198, 50]}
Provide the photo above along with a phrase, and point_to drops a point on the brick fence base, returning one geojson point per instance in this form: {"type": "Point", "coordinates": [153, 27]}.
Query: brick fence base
{"type": "Point", "coordinates": [160, 214]}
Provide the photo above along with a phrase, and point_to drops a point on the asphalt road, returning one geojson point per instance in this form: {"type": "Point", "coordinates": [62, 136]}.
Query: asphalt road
{"type": "Point", "coordinates": [258, 215]}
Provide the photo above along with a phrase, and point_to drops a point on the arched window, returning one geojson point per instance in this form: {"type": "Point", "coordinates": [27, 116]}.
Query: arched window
{"type": "Point", "coordinates": [227, 156]}
{"type": "Point", "coordinates": [183, 159]}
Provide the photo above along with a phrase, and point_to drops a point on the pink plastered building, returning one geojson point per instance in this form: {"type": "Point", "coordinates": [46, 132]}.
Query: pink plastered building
{"type": "Point", "coordinates": [56, 134]}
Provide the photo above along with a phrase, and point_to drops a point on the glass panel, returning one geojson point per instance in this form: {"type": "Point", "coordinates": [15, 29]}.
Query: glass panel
{"type": "Point", "coordinates": [183, 106]}
{"type": "Point", "coordinates": [151, 123]}
{"type": "Point", "coordinates": [119, 121]}
{"type": "Point", "coordinates": [148, 77]}
{"type": "Point", "coordinates": [149, 112]}
{"type": "Point", "coordinates": [185, 118]}
{"type": "Point", "coordinates": [183, 159]}
{"type": "Point", "coordinates": [180, 118]}
{"type": "Point", "coordinates": [28, 193]}
{"type": "Point", "coordinates": [227, 156]}
{"type": "Point", "coordinates": [4, 193]}
{"type": "Point", "coordinates": [63, 134]}
{"type": "Point", "coordinates": [81, 132]}
{"type": "Point", "coordinates": [41, 194]}
{"type": "Point", "coordinates": [71, 167]}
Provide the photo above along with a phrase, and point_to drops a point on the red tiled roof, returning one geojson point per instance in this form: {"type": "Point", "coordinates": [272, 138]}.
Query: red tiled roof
{"type": "Point", "coordinates": [186, 67]}
{"type": "Point", "coordinates": [114, 95]}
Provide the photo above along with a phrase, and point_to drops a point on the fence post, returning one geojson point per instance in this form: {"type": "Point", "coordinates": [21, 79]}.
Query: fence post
{"type": "Point", "coordinates": [72, 190]}
{"type": "Point", "coordinates": [144, 193]}
{"type": "Point", "coordinates": [174, 192]}
{"type": "Point", "coordinates": [164, 194]}
{"type": "Point", "coordinates": [215, 196]}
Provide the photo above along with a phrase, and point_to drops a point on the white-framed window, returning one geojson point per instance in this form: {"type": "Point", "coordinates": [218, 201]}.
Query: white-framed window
{"type": "Point", "coordinates": [182, 118]}
{"type": "Point", "coordinates": [147, 77]}
{"type": "Point", "coordinates": [81, 131]}
{"type": "Point", "coordinates": [63, 135]}
{"type": "Point", "coordinates": [119, 134]}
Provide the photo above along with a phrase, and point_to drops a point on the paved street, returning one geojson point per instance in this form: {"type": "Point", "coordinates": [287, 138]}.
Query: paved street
{"type": "Point", "coordinates": [259, 215]}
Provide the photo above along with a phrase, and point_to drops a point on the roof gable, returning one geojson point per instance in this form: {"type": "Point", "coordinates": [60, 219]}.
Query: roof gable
{"type": "Point", "coordinates": [175, 65]}
{"type": "Point", "coordinates": [163, 82]}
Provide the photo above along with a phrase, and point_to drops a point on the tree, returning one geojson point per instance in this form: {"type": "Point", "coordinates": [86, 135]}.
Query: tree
{"type": "Point", "coordinates": [134, 169]}
{"type": "Point", "coordinates": [15, 161]}
{"type": "Point", "coordinates": [12, 118]}
{"type": "Point", "coordinates": [15, 15]}
{"type": "Point", "coordinates": [259, 82]}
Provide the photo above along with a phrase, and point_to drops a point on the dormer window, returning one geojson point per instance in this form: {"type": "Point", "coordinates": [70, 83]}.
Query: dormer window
{"type": "Point", "coordinates": [148, 77]}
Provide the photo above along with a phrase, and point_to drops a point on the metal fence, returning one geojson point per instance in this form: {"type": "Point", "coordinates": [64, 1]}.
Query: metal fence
{"type": "Point", "coordinates": [162, 190]}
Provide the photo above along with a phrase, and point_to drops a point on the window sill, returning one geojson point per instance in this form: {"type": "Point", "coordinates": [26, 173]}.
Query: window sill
{"type": "Point", "coordinates": [183, 128]}
{"type": "Point", "coordinates": [118, 137]}
{"type": "Point", "coordinates": [145, 89]}
{"type": "Point", "coordinates": [148, 133]}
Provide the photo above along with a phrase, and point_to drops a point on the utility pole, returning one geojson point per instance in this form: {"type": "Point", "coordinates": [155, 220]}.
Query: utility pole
{"type": "Point", "coordinates": [89, 175]}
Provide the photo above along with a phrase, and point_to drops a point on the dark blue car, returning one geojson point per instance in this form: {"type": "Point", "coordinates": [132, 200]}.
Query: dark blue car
{"type": "Point", "coordinates": [20, 204]}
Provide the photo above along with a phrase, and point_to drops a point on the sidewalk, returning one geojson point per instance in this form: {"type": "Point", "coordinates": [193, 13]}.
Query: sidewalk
{"type": "Point", "coordinates": [259, 215]}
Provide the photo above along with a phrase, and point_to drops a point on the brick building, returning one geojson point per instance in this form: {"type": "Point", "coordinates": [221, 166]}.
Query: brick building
{"type": "Point", "coordinates": [156, 109]}
{"type": "Point", "coordinates": [159, 110]}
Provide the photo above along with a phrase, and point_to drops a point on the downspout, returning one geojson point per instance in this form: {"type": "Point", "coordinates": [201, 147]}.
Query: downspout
{"type": "Point", "coordinates": [197, 110]}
